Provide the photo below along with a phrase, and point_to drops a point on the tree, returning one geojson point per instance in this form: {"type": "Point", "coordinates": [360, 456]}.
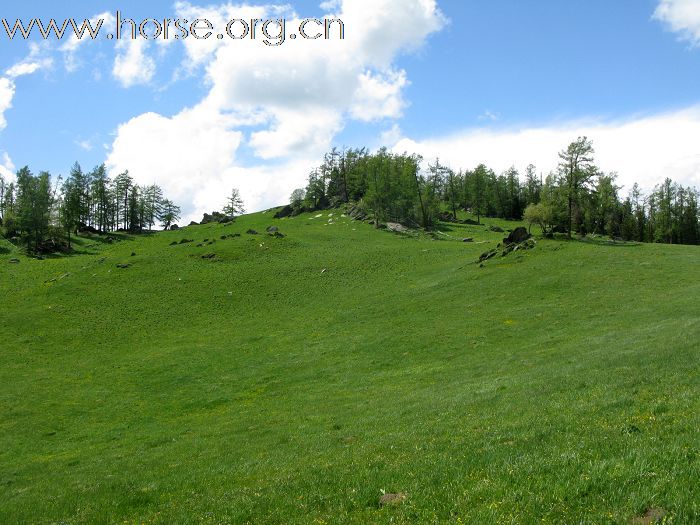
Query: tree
{"type": "Point", "coordinates": [479, 180]}
{"type": "Point", "coordinates": [234, 204]}
{"type": "Point", "coordinates": [69, 210]}
{"type": "Point", "coordinates": [152, 201]}
{"type": "Point", "coordinates": [169, 214]}
{"type": "Point", "coordinates": [33, 207]}
{"type": "Point", "coordinates": [576, 170]}
{"type": "Point", "coordinates": [540, 214]}
{"type": "Point", "coordinates": [297, 198]}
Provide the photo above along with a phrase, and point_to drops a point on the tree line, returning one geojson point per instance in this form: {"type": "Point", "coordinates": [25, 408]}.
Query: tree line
{"type": "Point", "coordinates": [36, 210]}
{"type": "Point", "coordinates": [577, 197]}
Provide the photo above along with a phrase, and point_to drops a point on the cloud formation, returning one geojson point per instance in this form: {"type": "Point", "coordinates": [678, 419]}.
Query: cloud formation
{"type": "Point", "coordinates": [132, 66]}
{"type": "Point", "coordinates": [644, 149]}
{"type": "Point", "coordinates": [681, 16]}
{"type": "Point", "coordinates": [285, 104]}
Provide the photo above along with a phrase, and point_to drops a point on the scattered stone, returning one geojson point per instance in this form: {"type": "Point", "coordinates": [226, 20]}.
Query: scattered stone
{"type": "Point", "coordinates": [124, 265]}
{"type": "Point", "coordinates": [224, 237]}
{"type": "Point", "coordinates": [396, 227]}
{"type": "Point", "coordinates": [496, 229]}
{"type": "Point", "coordinates": [278, 235]}
{"type": "Point", "coordinates": [272, 229]}
{"type": "Point", "coordinates": [252, 232]}
{"type": "Point", "coordinates": [186, 241]}
{"type": "Point", "coordinates": [174, 243]}
{"type": "Point", "coordinates": [13, 261]}
{"type": "Point", "coordinates": [529, 244]}
{"type": "Point", "coordinates": [356, 213]}
{"type": "Point", "coordinates": [468, 239]}
{"type": "Point", "coordinates": [392, 499]}
{"type": "Point", "coordinates": [650, 517]}
{"type": "Point", "coordinates": [446, 216]}
{"type": "Point", "coordinates": [174, 227]}
{"type": "Point", "coordinates": [205, 240]}
{"type": "Point", "coordinates": [488, 255]}
{"type": "Point", "coordinates": [517, 236]}
{"type": "Point", "coordinates": [133, 254]}
{"type": "Point", "coordinates": [209, 256]}
{"type": "Point", "coordinates": [324, 271]}
{"type": "Point", "coordinates": [286, 211]}
{"type": "Point", "coordinates": [199, 245]}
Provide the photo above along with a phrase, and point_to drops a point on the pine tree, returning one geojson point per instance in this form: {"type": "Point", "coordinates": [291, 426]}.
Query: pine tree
{"type": "Point", "coordinates": [234, 204]}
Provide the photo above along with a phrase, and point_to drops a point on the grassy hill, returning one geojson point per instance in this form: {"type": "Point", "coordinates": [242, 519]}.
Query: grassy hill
{"type": "Point", "coordinates": [297, 379]}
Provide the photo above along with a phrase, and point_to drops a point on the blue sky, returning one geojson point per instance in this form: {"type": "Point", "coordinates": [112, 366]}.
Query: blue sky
{"type": "Point", "coordinates": [503, 82]}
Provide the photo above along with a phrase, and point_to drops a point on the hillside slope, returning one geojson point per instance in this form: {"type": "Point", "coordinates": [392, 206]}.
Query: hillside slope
{"type": "Point", "coordinates": [296, 379]}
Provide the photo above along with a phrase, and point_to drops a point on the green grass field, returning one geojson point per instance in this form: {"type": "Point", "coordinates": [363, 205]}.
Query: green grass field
{"type": "Point", "coordinates": [558, 385]}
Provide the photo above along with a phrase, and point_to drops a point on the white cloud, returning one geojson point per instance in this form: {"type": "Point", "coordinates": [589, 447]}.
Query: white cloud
{"type": "Point", "coordinates": [84, 144]}
{"type": "Point", "coordinates": [7, 93]}
{"type": "Point", "coordinates": [379, 95]}
{"type": "Point", "coordinates": [7, 168]}
{"type": "Point", "coordinates": [132, 66]}
{"type": "Point", "coordinates": [644, 149]}
{"type": "Point", "coordinates": [681, 16]}
{"type": "Point", "coordinates": [489, 116]}
{"type": "Point", "coordinates": [297, 95]}
{"type": "Point", "coordinates": [36, 59]}
{"type": "Point", "coordinates": [72, 44]}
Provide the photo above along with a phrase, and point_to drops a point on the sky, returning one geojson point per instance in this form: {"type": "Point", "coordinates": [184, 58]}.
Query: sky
{"type": "Point", "coordinates": [503, 82]}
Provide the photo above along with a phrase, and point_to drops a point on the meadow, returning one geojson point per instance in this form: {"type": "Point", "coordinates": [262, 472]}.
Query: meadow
{"type": "Point", "coordinates": [296, 380]}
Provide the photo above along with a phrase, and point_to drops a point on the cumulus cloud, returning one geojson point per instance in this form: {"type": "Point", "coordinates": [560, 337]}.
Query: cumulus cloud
{"type": "Point", "coordinates": [7, 93]}
{"type": "Point", "coordinates": [681, 16]}
{"type": "Point", "coordinates": [297, 95]}
{"type": "Point", "coordinates": [7, 168]}
{"type": "Point", "coordinates": [132, 66]}
{"type": "Point", "coordinates": [644, 149]}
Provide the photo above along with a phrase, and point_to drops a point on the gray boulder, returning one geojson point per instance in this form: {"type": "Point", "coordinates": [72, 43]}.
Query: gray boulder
{"type": "Point", "coordinates": [517, 236]}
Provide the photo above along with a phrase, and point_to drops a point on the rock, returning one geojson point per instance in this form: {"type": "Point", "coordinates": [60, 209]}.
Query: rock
{"type": "Point", "coordinates": [392, 499]}
{"type": "Point", "coordinates": [286, 211]}
{"type": "Point", "coordinates": [517, 236]}
{"type": "Point", "coordinates": [216, 216]}
{"type": "Point", "coordinates": [174, 243]}
{"type": "Point", "coordinates": [446, 216]}
{"type": "Point", "coordinates": [468, 239]}
{"type": "Point", "coordinates": [133, 254]}
{"type": "Point", "coordinates": [174, 227]}
{"type": "Point", "coordinates": [88, 230]}
{"type": "Point", "coordinates": [199, 245]}
{"type": "Point", "coordinates": [252, 232]}
{"type": "Point", "coordinates": [209, 256]}
{"type": "Point", "coordinates": [186, 241]}
{"type": "Point", "coordinates": [357, 213]}
{"type": "Point", "coordinates": [13, 261]}
{"type": "Point", "coordinates": [278, 235]}
{"type": "Point", "coordinates": [496, 229]}
{"type": "Point", "coordinates": [396, 227]}
{"type": "Point", "coordinates": [488, 255]}
{"type": "Point", "coordinates": [650, 517]}
{"type": "Point", "coordinates": [125, 265]}
{"type": "Point", "coordinates": [272, 229]}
